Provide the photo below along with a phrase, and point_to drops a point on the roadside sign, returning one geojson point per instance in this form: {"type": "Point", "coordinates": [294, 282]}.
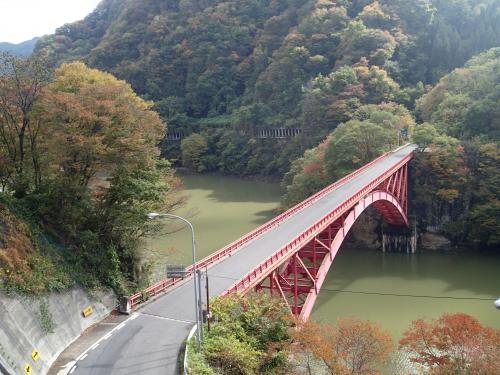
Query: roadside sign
{"type": "Point", "coordinates": [35, 354]}
{"type": "Point", "coordinates": [176, 270]}
{"type": "Point", "coordinates": [87, 311]}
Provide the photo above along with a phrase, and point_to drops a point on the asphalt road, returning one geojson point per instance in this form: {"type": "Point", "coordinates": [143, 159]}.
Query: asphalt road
{"type": "Point", "coordinates": [149, 342]}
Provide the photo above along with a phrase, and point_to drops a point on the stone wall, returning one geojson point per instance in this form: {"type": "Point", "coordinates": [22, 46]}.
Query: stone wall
{"type": "Point", "coordinates": [46, 325]}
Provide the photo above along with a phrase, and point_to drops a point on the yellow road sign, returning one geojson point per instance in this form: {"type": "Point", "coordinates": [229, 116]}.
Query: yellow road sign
{"type": "Point", "coordinates": [87, 311]}
{"type": "Point", "coordinates": [27, 369]}
{"type": "Point", "coordinates": [35, 354]}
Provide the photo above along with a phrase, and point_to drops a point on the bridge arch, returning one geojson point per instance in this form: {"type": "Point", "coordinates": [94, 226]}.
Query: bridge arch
{"type": "Point", "coordinates": [393, 213]}
{"type": "Point", "coordinates": [297, 269]}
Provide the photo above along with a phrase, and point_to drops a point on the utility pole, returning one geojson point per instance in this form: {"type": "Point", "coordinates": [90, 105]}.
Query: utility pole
{"type": "Point", "coordinates": [196, 274]}
{"type": "Point", "coordinates": [208, 298]}
{"type": "Point", "coordinates": [200, 306]}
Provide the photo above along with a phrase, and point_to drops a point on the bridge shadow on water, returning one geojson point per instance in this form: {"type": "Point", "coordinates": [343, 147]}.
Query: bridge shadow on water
{"type": "Point", "coordinates": [264, 216]}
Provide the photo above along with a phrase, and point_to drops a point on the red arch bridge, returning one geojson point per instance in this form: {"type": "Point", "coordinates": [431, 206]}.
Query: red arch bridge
{"type": "Point", "coordinates": [289, 256]}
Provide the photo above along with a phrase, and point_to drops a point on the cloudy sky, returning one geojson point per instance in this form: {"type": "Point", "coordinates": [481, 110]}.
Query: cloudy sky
{"type": "Point", "coordinates": [22, 20]}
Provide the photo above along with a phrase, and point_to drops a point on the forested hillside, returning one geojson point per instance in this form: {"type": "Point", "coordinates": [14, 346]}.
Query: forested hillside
{"type": "Point", "coordinates": [228, 68]}
{"type": "Point", "coordinates": [456, 174]}
{"type": "Point", "coordinates": [355, 77]}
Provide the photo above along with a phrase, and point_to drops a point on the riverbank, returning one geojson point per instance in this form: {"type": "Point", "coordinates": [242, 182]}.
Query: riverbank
{"type": "Point", "coordinates": [271, 179]}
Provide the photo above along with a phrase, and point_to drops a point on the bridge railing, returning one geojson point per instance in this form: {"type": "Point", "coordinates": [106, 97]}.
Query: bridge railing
{"type": "Point", "coordinates": [162, 285]}
{"type": "Point", "coordinates": [254, 276]}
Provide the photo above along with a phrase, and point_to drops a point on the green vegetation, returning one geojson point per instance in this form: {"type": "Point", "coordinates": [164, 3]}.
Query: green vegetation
{"type": "Point", "coordinates": [220, 71]}
{"type": "Point", "coordinates": [455, 176]}
{"type": "Point", "coordinates": [193, 147]}
{"type": "Point", "coordinates": [255, 334]}
{"type": "Point", "coordinates": [46, 317]}
{"type": "Point", "coordinates": [456, 183]}
{"type": "Point", "coordinates": [372, 130]}
{"type": "Point", "coordinates": [249, 335]}
{"type": "Point", "coordinates": [60, 134]}
{"type": "Point", "coordinates": [27, 265]}
{"type": "Point", "coordinates": [225, 69]}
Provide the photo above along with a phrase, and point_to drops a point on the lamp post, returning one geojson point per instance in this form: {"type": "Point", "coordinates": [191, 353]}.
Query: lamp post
{"type": "Point", "coordinates": [197, 292]}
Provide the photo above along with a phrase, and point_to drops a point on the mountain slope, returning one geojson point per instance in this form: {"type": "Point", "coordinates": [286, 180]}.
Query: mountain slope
{"type": "Point", "coordinates": [244, 65]}
{"type": "Point", "coordinates": [23, 49]}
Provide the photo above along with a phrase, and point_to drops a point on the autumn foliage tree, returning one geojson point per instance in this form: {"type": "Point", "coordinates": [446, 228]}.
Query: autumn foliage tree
{"type": "Point", "coordinates": [85, 147]}
{"type": "Point", "coordinates": [453, 344]}
{"type": "Point", "coordinates": [352, 346]}
{"type": "Point", "coordinates": [98, 123]}
{"type": "Point", "coordinates": [22, 83]}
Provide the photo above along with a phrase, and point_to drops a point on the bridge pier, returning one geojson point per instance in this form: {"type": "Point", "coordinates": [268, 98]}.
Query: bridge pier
{"type": "Point", "coordinates": [403, 243]}
{"type": "Point", "coordinates": [399, 239]}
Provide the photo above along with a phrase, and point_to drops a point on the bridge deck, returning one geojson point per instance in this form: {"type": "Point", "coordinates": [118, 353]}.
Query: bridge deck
{"type": "Point", "coordinates": [150, 343]}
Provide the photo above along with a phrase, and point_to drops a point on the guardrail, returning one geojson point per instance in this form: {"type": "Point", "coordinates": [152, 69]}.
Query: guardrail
{"type": "Point", "coordinates": [161, 286]}
{"type": "Point", "coordinates": [258, 273]}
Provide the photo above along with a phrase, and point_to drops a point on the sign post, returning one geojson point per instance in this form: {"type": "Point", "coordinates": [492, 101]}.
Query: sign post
{"type": "Point", "coordinates": [176, 271]}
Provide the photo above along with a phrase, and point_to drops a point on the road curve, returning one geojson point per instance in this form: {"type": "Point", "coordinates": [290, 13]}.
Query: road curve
{"type": "Point", "coordinates": [149, 342]}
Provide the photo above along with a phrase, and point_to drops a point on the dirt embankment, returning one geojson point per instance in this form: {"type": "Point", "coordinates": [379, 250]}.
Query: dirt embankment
{"type": "Point", "coordinates": [16, 246]}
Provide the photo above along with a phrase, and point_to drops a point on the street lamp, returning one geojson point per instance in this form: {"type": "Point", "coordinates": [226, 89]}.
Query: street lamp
{"type": "Point", "coordinates": [197, 292]}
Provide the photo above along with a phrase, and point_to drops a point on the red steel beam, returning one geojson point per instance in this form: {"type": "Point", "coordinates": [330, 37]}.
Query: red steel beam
{"type": "Point", "coordinates": [339, 238]}
{"type": "Point", "coordinates": [254, 277]}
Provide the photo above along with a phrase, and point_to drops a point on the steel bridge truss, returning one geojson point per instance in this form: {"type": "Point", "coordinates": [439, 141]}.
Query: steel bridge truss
{"type": "Point", "coordinates": [298, 276]}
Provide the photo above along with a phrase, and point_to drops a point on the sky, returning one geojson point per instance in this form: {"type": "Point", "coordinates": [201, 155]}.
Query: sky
{"type": "Point", "coordinates": [22, 20]}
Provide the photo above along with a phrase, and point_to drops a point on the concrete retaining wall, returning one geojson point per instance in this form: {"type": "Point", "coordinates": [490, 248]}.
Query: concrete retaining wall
{"type": "Point", "coordinates": [47, 325]}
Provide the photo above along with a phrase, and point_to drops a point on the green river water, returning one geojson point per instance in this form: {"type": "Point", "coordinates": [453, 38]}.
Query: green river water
{"type": "Point", "coordinates": [391, 289]}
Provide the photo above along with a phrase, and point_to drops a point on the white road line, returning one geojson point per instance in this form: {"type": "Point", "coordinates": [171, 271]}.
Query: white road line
{"type": "Point", "coordinates": [66, 368]}
{"type": "Point", "coordinates": [164, 318]}
{"type": "Point", "coordinates": [96, 344]}
{"type": "Point", "coordinates": [84, 356]}
{"type": "Point", "coordinates": [107, 336]}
